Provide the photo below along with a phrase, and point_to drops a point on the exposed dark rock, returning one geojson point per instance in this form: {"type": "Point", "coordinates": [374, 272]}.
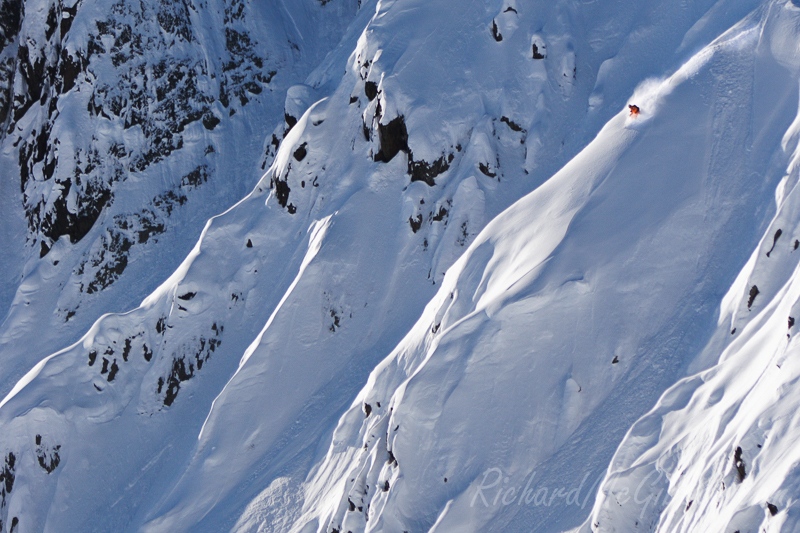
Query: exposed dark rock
{"type": "Point", "coordinates": [48, 457]}
{"type": "Point", "coordinates": [441, 214]}
{"type": "Point", "coordinates": [393, 138]}
{"type": "Point", "coordinates": [7, 473]}
{"type": "Point", "coordinates": [282, 191]}
{"type": "Point", "coordinates": [67, 16]}
{"type": "Point", "coordinates": [54, 219]}
{"type": "Point", "coordinates": [178, 374]}
{"type": "Point", "coordinates": [210, 121]}
{"type": "Point", "coordinates": [536, 53]}
{"type": "Point", "coordinates": [10, 20]}
{"type": "Point", "coordinates": [371, 90]}
{"type": "Point", "coordinates": [69, 69]}
{"type": "Point", "coordinates": [511, 124]}
{"type": "Point", "coordinates": [335, 323]}
{"type": "Point", "coordinates": [153, 84]}
{"type": "Point", "coordinates": [484, 168]}
{"type": "Point", "coordinates": [496, 32]}
{"type": "Point", "coordinates": [301, 152]}
{"type": "Point", "coordinates": [415, 223]}
{"type": "Point", "coordinates": [185, 363]}
{"type": "Point", "coordinates": [773, 509]}
{"type": "Point", "coordinates": [753, 294]}
{"type": "Point", "coordinates": [192, 180]}
{"type": "Point", "coordinates": [738, 462]}
{"type": "Point", "coordinates": [461, 240]}
{"type": "Point", "coordinates": [424, 171]}
{"type": "Point", "coordinates": [775, 241]}
{"type": "Point", "coordinates": [108, 262]}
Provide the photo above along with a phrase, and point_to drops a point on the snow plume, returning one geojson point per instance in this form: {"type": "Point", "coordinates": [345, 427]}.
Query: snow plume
{"type": "Point", "coordinates": [647, 97]}
{"type": "Point", "coordinates": [649, 94]}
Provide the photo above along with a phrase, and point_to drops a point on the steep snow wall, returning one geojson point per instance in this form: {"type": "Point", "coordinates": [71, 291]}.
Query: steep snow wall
{"type": "Point", "coordinates": [718, 451]}
{"type": "Point", "coordinates": [283, 379]}
{"type": "Point", "coordinates": [573, 309]}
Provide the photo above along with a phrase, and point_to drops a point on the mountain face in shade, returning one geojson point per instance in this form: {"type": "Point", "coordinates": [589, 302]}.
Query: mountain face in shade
{"type": "Point", "coordinates": [125, 126]}
{"type": "Point", "coordinates": [452, 283]}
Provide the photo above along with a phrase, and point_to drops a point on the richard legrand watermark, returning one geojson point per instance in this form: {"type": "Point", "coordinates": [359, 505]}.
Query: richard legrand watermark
{"type": "Point", "coordinates": [496, 489]}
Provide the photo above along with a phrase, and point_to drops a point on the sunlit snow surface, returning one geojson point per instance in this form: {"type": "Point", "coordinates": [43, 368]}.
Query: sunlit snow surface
{"type": "Point", "coordinates": [348, 350]}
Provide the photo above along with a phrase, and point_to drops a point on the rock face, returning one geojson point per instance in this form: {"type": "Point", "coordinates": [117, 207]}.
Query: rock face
{"type": "Point", "coordinates": [121, 126]}
{"type": "Point", "coordinates": [138, 67]}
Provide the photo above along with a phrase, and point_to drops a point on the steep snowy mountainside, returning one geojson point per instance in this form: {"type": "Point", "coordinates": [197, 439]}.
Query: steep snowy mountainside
{"type": "Point", "coordinates": [719, 450]}
{"type": "Point", "coordinates": [574, 308]}
{"type": "Point", "coordinates": [126, 125]}
{"type": "Point", "coordinates": [239, 394]}
{"type": "Point", "coordinates": [267, 378]}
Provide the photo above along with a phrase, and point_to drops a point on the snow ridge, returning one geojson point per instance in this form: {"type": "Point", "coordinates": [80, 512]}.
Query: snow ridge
{"type": "Point", "coordinates": [538, 265]}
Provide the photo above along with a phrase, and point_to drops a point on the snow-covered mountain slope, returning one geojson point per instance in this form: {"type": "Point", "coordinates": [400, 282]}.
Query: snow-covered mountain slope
{"type": "Point", "coordinates": [290, 339]}
{"type": "Point", "coordinates": [719, 450]}
{"type": "Point", "coordinates": [576, 306]}
{"type": "Point", "coordinates": [126, 125]}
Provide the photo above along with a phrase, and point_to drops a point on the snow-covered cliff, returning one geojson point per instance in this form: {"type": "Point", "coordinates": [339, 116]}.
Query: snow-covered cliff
{"type": "Point", "coordinates": [469, 293]}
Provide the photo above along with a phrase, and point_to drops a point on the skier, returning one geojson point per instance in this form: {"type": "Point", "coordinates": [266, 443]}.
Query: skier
{"type": "Point", "coordinates": [634, 110]}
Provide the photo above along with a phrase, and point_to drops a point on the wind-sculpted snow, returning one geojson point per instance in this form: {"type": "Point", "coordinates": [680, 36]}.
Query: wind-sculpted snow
{"type": "Point", "coordinates": [570, 310]}
{"type": "Point", "coordinates": [718, 452]}
{"type": "Point", "coordinates": [282, 378]}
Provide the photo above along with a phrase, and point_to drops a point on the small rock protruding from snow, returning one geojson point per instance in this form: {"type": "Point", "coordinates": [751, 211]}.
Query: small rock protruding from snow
{"type": "Point", "coordinates": [738, 462]}
{"type": "Point", "coordinates": [753, 293]}
{"type": "Point", "coordinates": [775, 240]}
{"type": "Point", "coordinates": [538, 47]}
{"type": "Point", "coordinates": [773, 510]}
